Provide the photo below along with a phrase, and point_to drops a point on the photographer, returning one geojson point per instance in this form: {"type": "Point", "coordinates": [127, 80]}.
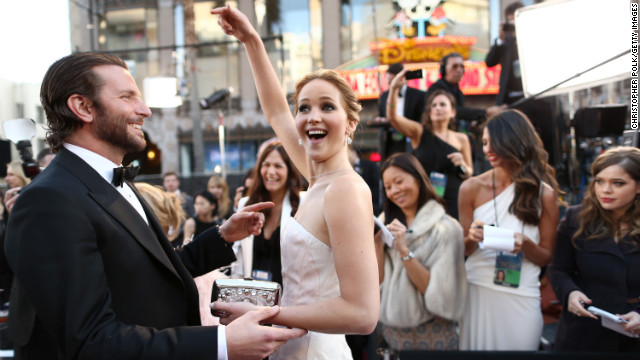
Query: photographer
{"type": "Point", "coordinates": [505, 52]}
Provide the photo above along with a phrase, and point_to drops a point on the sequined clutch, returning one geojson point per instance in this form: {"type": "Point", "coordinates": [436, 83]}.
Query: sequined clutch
{"type": "Point", "coordinates": [257, 292]}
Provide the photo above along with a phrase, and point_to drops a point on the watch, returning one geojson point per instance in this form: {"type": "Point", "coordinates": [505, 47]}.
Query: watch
{"type": "Point", "coordinates": [408, 257]}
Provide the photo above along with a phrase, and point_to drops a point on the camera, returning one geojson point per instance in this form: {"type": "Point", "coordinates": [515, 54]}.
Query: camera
{"type": "Point", "coordinates": [20, 132]}
{"type": "Point", "coordinates": [413, 74]}
{"type": "Point", "coordinates": [508, 27]}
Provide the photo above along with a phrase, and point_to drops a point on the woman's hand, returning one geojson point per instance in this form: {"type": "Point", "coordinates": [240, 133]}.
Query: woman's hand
{"type": "Point", "coordinates": [231, 311]}
{"type": "Point", "coordinates": [518, 240]}
{"type": "Point", "coordinates": [476, 231]}
{"type": "Point", "coordinates": [576, 302]}
{"type": "Point", "coordinates": [10, 198]}
{"type": "Point", "coordinates": [398, 80]}
{"type": "Point", "coordinates": [234, 23]}
{"type": "Point", "coordinates": [399, 231]}
{"type": "Point", "coordinates": [633, 325]}
{"type": "Point", "coordinates": [456, 159]}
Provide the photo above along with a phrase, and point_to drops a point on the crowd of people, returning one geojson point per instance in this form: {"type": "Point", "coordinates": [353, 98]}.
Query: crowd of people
{"type": "Point", "coordinates": [105, 268]}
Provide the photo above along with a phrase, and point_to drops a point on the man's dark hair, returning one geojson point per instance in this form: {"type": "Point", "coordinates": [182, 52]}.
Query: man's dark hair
{"type": "Point", "coordinates": [511, 9]}
{"type": "Point", "coordinates": [170, 173]}
{"type": "Point", "coordinates": [395, 68]}
{"type": "Point", "coordinates": [73, 74]}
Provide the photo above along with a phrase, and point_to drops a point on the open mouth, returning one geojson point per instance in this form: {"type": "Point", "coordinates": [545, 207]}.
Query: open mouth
{"type": "Point", "coordinates": [316, 134]}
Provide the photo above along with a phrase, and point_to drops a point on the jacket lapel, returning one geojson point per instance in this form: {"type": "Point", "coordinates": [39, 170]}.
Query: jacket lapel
{"type": "Point", "coordinates": [117, 206]}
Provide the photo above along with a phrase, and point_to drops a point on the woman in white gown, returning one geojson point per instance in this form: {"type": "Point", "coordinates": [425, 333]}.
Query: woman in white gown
{"type": "Point", "coordinates": [329, 266]}
{"type": "Point", "coordinates": [518, 194]}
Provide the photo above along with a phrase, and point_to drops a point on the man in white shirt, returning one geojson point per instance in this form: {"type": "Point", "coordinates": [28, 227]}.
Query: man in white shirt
{"type": "Point", "coordinates": [95, 276]}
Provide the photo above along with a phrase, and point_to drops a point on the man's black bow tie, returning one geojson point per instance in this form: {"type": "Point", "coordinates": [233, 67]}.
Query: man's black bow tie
{"type": "Point", "coordinates": [120, 174]}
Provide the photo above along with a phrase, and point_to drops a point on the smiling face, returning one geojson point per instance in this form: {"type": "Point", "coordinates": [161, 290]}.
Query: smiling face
{"type": "Point", "coordinates": [120, 110]}
{"type": "Point", "coordinates": [274, 172]}
{"type": "Point", "coordinates": [401, 188]}
{"type": "Point", "coordinates": [615, 189]}
{"type": "Point", "coordinates": [321, 120]}
{"type": "Point", "coordinates": [487, 149]}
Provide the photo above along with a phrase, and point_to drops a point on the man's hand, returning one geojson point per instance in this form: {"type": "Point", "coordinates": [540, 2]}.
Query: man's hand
{"type": "Point", "coordinates": [247, 222]}
{"type": "Point", "coordinates": [247, 339]}
{"type": "Point", "coordinates": [492, 110]}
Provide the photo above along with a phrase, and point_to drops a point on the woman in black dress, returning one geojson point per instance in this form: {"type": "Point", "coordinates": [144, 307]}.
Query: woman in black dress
{"type": "Point", "coordinates": [444, 154]}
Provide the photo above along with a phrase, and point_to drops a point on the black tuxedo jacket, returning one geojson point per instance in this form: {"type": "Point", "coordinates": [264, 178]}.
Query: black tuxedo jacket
{"type": "Point", "coordinates": [414, 103]}
{"type": "Point", "coordinates": [462, 112]}
{"type": "Point", "coordinates": [94, 281]}
{"type": "Point", "coordinates": [504, 55]}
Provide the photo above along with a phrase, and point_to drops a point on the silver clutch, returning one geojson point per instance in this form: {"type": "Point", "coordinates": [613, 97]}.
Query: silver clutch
{"type": "Point", "coordinates": [257, 292]}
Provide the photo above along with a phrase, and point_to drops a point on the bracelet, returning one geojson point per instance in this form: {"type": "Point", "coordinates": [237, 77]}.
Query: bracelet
{"type": "Point", "coordinates": [391, 105]}
{"type": "Point", "coordinates": [408, 257]}
{"type": "Point", "coordinates": [219, 232]}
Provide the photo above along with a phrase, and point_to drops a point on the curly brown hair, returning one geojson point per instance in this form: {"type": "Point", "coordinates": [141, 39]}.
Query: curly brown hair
{"type": "Point", "coordinates": [596, 222]}
{"type": "Point", "coordinates": [71, 75]}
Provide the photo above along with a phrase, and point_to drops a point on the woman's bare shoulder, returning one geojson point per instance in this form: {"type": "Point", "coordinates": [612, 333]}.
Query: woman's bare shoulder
{"type": "Point", "coordinates": [475, 184]}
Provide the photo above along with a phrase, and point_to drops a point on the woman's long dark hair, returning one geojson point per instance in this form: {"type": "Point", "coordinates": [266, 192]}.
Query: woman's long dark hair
{"type": "Point", "coordinates": [515, 141]}
{"type": "Point", "coordinates": [596, 222]}
{"type": "Point", "coordinates": [258, 192]}
{"type": "Point", "coordinates": [409, 164]}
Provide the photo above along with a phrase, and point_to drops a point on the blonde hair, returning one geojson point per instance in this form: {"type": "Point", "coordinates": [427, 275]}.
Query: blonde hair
{"type": "Point", "coordinates": [166, 206]}
{"type": "Point", "coordinates": [224, 202]}
{"type": "Point", "coordinates": [16, 168]}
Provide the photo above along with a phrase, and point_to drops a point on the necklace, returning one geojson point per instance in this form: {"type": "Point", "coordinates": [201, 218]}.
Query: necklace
{"type": "Point", "coordinates": [327, 173]}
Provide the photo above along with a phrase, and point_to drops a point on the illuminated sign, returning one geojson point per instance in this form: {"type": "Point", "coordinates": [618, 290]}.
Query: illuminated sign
{"type": "Point", "coordinates": [424, 49]}
{"type": "Point", "coordinates": [477, 79]}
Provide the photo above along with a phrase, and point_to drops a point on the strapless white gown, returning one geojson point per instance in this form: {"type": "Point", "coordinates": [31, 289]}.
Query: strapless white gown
{"type": "Point", "coordinates": [309, 276]}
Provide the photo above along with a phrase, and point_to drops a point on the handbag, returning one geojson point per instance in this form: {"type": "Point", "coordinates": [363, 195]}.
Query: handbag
{"type": "Point", "coordinates": [257, 292]}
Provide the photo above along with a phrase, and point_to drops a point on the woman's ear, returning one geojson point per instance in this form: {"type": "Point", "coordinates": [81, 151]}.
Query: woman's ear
{"type": "Point", "coordinates": [82, 107]}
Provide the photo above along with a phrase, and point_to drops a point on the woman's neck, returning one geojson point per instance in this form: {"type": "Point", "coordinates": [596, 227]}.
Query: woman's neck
{"type": "Point", "coordinates": [502, 176]}
{"type": "Point", "coordinates": [409, 215]}
{"type": "Point", "coordinates": [277, 196]}
{"type": "Point", "coordinates": [440, 127]}
{"type": "Point", "coordinates": [206, 218]}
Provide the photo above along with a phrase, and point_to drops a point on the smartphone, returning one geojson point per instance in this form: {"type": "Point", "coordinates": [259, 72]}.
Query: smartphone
{"type": "Point", "coordinates": [414, 74]}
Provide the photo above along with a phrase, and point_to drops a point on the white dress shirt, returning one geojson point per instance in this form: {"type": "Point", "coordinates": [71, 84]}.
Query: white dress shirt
{"type": "Point", "coordinates": [104, 167]}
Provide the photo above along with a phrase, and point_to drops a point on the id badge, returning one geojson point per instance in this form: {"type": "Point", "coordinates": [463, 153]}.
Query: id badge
{"type": "Point", "coordinates": [439, 182]}
{"type": "Point", "coordinates": [261, 275]}
{"type": "Point", "coordinates": [507, 270]}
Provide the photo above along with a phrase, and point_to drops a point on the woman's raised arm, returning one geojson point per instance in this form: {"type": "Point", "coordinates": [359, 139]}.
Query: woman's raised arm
{"type": "Point", "coordinates": [272, 98]}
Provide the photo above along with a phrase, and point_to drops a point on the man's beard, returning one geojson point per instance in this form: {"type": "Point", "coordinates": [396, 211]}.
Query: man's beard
{"type": "Point", "coordinates": [114, 130]}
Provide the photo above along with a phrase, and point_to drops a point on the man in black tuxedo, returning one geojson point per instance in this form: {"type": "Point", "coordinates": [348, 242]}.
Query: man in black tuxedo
{"type": "Point", "coordinates": [95, 277]}
{"type": "Point", "coordinates": [411, 103]}
{"type": "Point", "coordinates": [505, 52]}
{"type": "Point", "coordinates": [451, 72]}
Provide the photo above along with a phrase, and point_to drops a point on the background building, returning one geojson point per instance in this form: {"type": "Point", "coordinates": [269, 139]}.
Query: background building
{"type": "Point", "coordinates": [153, 36]}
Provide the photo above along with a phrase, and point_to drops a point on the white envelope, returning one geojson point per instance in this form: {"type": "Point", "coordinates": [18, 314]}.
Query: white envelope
{"type": "Point", "coordinates": [387, 236]}
{"type": "Point", "coordinates": [499, 239]}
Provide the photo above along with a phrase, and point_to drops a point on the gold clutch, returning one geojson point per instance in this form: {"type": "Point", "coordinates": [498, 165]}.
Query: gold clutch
{"type": "Point", "coordinates": [257, 292]}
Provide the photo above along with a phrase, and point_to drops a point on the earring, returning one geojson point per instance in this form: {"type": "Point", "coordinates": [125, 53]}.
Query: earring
{"type": "Point", "coordinates": [349, 141]}
{"type": "Point", "coordinates": [300, 142]}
